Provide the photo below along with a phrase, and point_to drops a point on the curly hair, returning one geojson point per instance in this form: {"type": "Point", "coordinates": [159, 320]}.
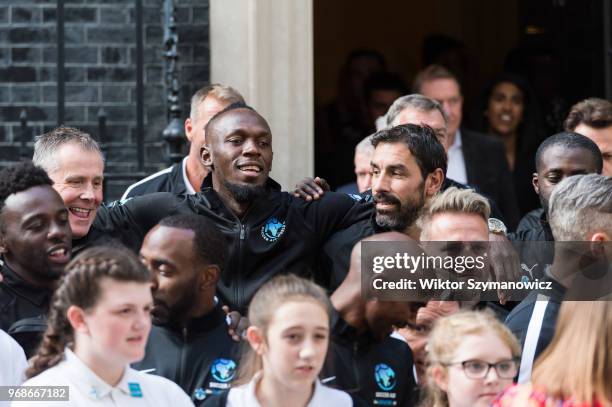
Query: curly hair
{"type": "Point", "coordinates": [20, 177]}
{"type": "Point", "coordinates": [81, 287]}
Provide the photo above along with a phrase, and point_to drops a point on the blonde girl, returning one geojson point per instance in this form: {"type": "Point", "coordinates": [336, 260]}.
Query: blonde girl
{"type": "Point", "coordinates": [471, 358]}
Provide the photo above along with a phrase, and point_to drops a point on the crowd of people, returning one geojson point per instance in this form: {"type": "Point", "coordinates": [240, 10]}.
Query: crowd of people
{"type": "Point", "coordinates": [207, 285]}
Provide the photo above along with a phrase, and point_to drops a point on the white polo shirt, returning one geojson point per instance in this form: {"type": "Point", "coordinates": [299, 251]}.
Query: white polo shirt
{"type": "Point", "coordinates": [87, 389]}
{"type": "Point", "coordinates": [244, 396]}
{"type": "Point", "coordinates": [13, 363]}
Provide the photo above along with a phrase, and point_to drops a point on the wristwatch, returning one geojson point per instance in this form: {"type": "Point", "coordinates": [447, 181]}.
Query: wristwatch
{"type": "Point", "coordinates": [497, 226]}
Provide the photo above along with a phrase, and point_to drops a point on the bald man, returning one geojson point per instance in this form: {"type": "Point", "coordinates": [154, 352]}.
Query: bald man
{"type": "Point", "coordinates": [363, 358]}
{"type": "Point", "coordinates": [267, 231]}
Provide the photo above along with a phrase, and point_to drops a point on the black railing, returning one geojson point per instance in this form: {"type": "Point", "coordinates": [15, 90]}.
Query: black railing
{"type": "Point", "coordinates": [173, 133]}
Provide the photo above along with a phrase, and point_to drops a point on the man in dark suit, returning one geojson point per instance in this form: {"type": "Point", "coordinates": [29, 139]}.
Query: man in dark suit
{"type": "Point", "coordinates": [473, 158]}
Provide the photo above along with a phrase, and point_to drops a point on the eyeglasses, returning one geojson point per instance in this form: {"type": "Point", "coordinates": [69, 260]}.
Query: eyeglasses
{"type": "Point", "coordinates": [477, 369]}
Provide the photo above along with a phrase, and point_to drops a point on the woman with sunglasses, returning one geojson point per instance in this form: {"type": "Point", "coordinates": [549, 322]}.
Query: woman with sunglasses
{"type": "Point", "coordinates": [471, 358]}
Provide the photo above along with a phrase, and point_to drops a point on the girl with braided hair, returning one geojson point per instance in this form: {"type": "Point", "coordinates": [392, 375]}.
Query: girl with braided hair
{"type": "Point", "coordinates": [99, 322]}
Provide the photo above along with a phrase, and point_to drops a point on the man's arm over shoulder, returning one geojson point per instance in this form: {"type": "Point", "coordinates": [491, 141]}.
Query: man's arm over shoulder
{"type": "Point", "coordinates": [336, 211]}
{"type": "Point", "coordinates": [129, 220]}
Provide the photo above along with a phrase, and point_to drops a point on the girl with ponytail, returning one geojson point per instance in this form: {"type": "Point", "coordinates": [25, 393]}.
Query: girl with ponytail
{"type": "Point", "coordinates": [288, 340]}
{"type": "Point", "coordinates": [98, 324]}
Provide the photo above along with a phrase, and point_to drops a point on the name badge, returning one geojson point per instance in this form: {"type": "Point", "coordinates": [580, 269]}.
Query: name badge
{"type": "Point", "coordinates": [135, 390]}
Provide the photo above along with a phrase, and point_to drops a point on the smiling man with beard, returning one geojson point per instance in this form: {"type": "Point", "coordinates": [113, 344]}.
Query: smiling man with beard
{"type": "Point", "coordinates": [266, 231]}
{"type": "Point", "coordinates": [404, 172]}
{"type": "Point", "coordinates": [408, 168]}
{"type": "Point", "coordinates": [35, 247]}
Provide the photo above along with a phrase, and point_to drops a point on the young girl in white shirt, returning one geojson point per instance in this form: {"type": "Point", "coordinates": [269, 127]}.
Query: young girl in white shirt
{"type": "Point", "coordinates": [98, 324]}
{"type": "Point", "coordinates": [288, 338]}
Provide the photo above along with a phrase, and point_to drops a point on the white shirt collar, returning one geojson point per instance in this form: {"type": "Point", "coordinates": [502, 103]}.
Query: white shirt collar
{"type": "Point", "coordinates": [457, 143]}
{"type": "Point", "coordinates": [456, 169]}
{"type": "Point", "coordinates": [245, 395]}
{"type": "Point", "coordinates": [98, 388]}
{"type": "Point", "coordinates": [188, 185]}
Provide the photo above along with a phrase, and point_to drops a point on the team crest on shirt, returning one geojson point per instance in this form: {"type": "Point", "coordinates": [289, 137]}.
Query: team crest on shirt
{"type": "Point", "coordinates": [223, 370]}
{"type": "Point", "coordinates": [135, 390]}
{"type": "Point", "coordinates": [199, 394]}
{"type": "Point", "coordinates": [272, 230]}
{"type": "Point", "coordinates": [385, 377]}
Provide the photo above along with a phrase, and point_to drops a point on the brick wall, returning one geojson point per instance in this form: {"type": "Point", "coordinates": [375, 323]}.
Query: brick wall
{"type": "Point", "coordinates": [100, 71]}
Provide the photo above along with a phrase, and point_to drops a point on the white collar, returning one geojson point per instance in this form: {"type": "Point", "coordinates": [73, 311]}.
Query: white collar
{"type": "Point", "coordinates": [188, 186]}
{"type": "Point", "coordinates": [98, 388]}
{"type": "Point", "coordinates": [457, 143]}
{"type": "Point", "coordinates": [320, 396]}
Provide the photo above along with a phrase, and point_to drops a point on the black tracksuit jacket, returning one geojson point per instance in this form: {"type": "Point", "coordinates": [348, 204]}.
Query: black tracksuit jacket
{"type": "Point", "coordinates": [278, 234]}
{"type": "Point", "coordinates": [334, 265]}
{"type": "Point", "coordinates": [373, 372]}
{"type": "Point", "coordinates": [201, 358]}
{"type": "Point", "coordinates": [23, 310]}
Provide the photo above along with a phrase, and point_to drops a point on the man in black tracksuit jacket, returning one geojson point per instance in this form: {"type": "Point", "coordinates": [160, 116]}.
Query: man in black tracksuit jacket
{"type": "Point", "coordinates": [363, 359]}
{"type": "Point", "coordinates": [558, 157]}
{"type": "Point", "coordinates": [200, 357]}
{"type": "Point", "coordinates": [373, 371]}
{"type": "Point", "coordinates": [34, 247]}
{"type": "Point", "coordinates": [23, 309]}
{"type": "Point", "coordinates": [267, 231]}
{"type": "Point", "coordinates": [189, 342]}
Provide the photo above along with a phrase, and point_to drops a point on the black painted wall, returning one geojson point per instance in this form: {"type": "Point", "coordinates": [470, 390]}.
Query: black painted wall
{"type": "Point", "coordinates": [100, 72]}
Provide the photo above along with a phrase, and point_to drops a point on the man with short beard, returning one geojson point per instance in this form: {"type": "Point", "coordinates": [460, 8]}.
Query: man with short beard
{"type": "Point", "coordinates": [267, 231]}
{"type": "Point", "coordinates": [408, 168]}
{"type": "Point", "coordinates": [189, 343]}
{"type": "Point", "coordinates": [401, 178]}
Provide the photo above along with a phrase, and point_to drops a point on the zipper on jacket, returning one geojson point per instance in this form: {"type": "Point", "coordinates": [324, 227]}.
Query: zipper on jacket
{"type": "Point", "coordinates": [236, 279]}
{"type": "Point", "coordinates": [355, 367]}
{"type": "Point", "coordinates": [183, 354]}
